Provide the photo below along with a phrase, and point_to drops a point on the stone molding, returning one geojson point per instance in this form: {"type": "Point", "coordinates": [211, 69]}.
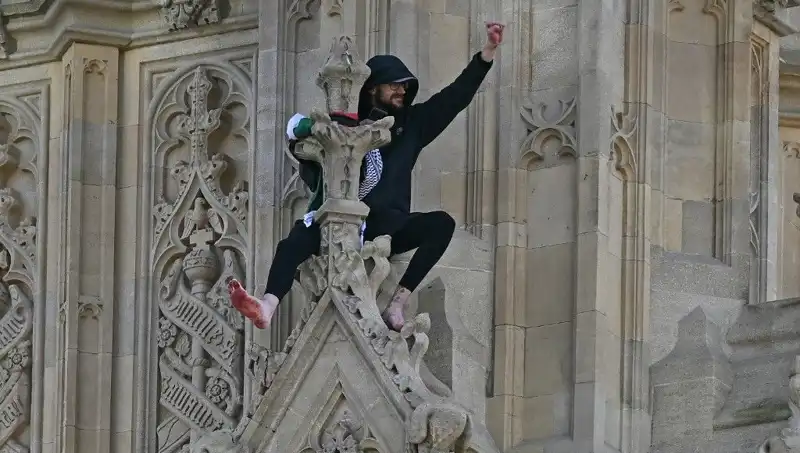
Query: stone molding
{"type": "Point", "coordinates": [28, 38]}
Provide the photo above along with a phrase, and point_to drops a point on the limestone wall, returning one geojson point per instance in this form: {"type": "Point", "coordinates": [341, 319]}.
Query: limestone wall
{"type": "Point", "coordinates": [621, 186]}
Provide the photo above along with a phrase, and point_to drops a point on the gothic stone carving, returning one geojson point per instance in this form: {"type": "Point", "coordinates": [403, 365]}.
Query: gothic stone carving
{"type": "Point", "coordinates": [262, 366]}
{"type": "Point", "coordinates": [624, 126]}
{"type": "Point", "coordinates": [19, 147]}
{"type": "Point", "coordinates": [344, 431]}
{"type": "Point", "coordinates": [344, 149]}
{"type": "Point", "coordinates": [543, 126]}
{"type": "Point", "coordinates": [436, 424]}
{"type": "Point", "coordinates": [340, 276]}
{"type": "Point", "coordinates": [200, 237]}
{"type": "Point", "coordinates": [340, 74]}
{"type": "Point", "coordinates": [772, 5]}
{"type": "Point", "coordinates": [180, 14]}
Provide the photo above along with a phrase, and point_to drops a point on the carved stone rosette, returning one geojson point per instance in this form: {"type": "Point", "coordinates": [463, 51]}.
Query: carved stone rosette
{"type": "Point", "coordinates": [200, 239]}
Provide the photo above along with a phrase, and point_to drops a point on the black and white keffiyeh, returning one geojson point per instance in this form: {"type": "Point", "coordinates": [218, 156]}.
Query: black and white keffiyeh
{"type": "Point", "coordinates": [373, 174]}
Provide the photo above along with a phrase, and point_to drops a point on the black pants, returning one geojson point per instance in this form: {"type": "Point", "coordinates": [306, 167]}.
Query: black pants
{"type": "Point", "coordinates": [428, 232]}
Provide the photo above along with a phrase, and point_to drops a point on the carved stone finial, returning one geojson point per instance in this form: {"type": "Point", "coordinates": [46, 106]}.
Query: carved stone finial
{"type": "Point", "coordinates": [341, 149]}
{"type": "Point", "coordinates": [772, 5]}
{"type": "Point", "coordinates": [342, 71]}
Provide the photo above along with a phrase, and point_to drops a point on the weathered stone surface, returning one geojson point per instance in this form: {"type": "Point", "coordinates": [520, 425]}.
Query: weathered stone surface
{"type": "Point", "coordinates": [623, 185]}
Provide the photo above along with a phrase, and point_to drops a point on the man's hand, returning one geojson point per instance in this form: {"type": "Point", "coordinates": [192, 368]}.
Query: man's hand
{"type": "Point", "coordinates": [494, 37]}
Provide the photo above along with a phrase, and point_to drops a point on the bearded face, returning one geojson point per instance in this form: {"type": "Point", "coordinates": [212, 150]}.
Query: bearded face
{"type": "Point", "coordinates": [389, 95]}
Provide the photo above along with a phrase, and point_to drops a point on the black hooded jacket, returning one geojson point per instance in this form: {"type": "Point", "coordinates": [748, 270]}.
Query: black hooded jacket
{"type": "Point", "coordinates": [415, 127]}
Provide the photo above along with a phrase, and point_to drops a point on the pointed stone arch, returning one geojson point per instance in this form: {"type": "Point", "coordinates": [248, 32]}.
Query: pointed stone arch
{"type": "Point", "coordinates": [196, 196]}
{"type": "Point", "coordinates": [23, 161]}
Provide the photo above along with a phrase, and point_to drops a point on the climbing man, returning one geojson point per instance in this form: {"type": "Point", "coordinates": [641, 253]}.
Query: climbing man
{"type": "Point", "coordinates": [385, 180]}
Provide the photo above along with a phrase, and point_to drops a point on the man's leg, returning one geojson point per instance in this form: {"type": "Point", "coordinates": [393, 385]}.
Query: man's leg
{"type": "Point", "coordinates": [301, 243]}
{"type": "Point", "coordinates": [430, 233]}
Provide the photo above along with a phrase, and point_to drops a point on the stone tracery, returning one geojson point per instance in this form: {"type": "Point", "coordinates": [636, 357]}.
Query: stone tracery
{"type": "Point", "coordinates": [18, 272]}
{"type": "Point", "coordinates": [200, 237]}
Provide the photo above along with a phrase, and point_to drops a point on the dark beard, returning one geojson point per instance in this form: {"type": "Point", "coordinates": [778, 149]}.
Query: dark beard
{"type": "Point", "coordinates": [387, 107]}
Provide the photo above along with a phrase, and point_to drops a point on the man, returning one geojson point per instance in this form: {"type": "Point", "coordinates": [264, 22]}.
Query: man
{"type": "Point", "coordinates": [385, 180]}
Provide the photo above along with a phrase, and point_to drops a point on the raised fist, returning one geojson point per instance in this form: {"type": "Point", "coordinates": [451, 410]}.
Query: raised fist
{"type": "Point", "coordinates": [494, 33]}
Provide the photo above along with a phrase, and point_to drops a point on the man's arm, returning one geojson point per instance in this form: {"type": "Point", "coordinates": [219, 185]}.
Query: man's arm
{"type": "Point", "coordinates": [442, 108]}
{"type": "Point", "coordinates": [297, 129]}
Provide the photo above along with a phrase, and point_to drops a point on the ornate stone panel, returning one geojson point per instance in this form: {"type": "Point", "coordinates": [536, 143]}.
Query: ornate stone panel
{"type": "Point", "coordinates": [201, 146]}
{"type": "Point", "coordinates": [21, 154]}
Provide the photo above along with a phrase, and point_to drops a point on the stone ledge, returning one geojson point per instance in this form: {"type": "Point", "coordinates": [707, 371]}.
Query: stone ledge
{"type": "Point", "coordinates": [768, 322]}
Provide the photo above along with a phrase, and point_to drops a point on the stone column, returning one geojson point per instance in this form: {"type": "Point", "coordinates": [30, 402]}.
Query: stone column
{"type": "Point", "coordinates": [85, 326]}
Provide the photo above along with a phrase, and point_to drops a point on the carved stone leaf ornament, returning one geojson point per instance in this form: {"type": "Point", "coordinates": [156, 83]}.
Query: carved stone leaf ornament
{"type": "Point", "coordinates": [341, 73]}
{"type": "Point", "coordinates": [16, 325]}
{"type": "Point", "coordinates": [344, 432]}
{"type": "Point", "coordinates": [624, 126]}
{"type": "Point", "coordinates": [19, 272]}
{"type": "Point", "coordinates": [200, 240]}
{"type": "Point", "coordinates": [181, 14]}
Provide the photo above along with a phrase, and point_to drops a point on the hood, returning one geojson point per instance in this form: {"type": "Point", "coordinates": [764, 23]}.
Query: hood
{"type": "Point", "coordinates": [386, 69]}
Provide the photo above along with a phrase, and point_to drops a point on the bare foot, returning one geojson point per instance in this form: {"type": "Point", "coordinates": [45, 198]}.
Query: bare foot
{"type": "Point", "coordinates": [393, 315]}
{"type": "Point", "coordinates": [258, 311]}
